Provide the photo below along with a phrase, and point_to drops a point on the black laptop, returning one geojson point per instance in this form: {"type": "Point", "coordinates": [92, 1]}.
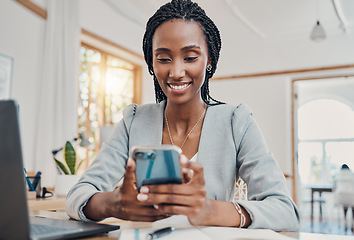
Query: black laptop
{"type": "Point", "coordinates": [15, 222]}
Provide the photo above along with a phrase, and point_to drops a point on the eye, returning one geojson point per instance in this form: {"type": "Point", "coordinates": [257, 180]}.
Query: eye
{"type": "Point", "coordinates": [164, 60]}
{"type": "Point", "coordinates": [190, 59]}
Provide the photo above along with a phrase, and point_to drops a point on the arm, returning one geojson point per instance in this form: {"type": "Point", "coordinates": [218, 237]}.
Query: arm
{"type": "Point", "coordinates": [269, 202]}
{"type": "Point", "coordinates": [102, 176]}
{"type": "Point", "coordinates": [95, 196]}
{"type": "Point", "coordinates": [122, 202]}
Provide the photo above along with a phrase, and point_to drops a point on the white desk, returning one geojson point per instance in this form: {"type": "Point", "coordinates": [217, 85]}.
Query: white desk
{"type": "Point", "coordinates": [54, 208]}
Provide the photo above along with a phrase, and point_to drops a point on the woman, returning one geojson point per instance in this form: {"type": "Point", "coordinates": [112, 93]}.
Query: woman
{"type": "Point", "coordinates": [181, 48]}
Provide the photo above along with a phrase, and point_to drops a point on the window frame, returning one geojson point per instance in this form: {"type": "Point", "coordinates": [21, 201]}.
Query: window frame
{"type": "Point", "coordinates": [137, 88]}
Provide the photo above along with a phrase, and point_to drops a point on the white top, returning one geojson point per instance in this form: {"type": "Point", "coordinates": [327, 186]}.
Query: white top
{"type": "Point", "coordinates": [194, 158]}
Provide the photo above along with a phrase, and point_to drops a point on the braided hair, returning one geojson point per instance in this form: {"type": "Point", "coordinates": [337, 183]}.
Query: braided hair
{"type": "Point", "coordinates": [187, 10]}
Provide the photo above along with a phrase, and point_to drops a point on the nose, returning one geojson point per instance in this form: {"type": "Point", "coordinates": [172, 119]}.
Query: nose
{"type": "Point", "coordinates": [177, 70]}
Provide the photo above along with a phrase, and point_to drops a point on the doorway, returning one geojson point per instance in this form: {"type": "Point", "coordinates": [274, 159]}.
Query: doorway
{"type": "Point", "coordinates": [323, 130]}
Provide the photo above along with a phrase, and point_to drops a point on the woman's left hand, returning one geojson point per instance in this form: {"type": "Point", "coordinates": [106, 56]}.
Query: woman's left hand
{"type": "Point", "coordinates": [181, 199]}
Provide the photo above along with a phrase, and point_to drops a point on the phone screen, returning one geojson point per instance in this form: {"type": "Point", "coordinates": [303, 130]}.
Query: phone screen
{"type": "Point", "coordinates": [157, 165]}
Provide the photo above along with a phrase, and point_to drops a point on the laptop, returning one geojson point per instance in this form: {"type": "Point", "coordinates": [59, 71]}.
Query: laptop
{"type": "Point", "coordinates": [15, 222]}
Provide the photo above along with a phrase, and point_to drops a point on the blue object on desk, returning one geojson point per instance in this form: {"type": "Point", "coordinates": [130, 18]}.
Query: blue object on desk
{"type": "Point", "coordinates": [28, 181]}
{"type": "Point", "coordinates": [136, 234]}
{"type": "Point", "coordinates": [37, 177]}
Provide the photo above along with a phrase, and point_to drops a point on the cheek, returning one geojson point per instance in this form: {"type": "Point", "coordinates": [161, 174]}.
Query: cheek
{"type": "Point", "coordinates": [160, 71]}
{"type": "Point", "coordinates": [198, 72]}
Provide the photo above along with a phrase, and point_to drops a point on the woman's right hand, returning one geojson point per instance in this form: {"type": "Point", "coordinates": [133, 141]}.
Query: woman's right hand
{"type": "Point", "coordinates": [122, 203]}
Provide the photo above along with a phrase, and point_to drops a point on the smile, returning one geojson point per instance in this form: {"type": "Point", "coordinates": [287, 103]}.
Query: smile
{"type": "Point", "coordinates": [178, 86]}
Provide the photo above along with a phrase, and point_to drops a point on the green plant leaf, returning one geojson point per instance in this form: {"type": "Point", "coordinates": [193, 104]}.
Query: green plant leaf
{"type": "Point", "coordinates": [70, 156]}
{"type": "Point", "coordinates": [62, 166]}
{"type": "Point", "coordinates": [78, 166]}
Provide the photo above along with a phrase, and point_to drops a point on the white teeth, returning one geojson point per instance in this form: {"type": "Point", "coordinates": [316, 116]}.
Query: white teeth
{"type": "Point", "coordinates": [179, 87]}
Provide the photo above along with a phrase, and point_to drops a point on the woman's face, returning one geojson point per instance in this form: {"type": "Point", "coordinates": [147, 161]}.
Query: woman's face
{"type": "Point", "coordinates": [180, 56]}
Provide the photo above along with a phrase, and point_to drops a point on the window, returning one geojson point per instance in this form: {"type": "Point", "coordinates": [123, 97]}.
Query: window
{"type": "Point", "coordinates": [106, 85]}
{"type": "Point", "coordinates": [326, 140]}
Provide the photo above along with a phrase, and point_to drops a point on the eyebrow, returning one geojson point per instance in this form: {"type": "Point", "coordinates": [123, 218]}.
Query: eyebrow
{"type": "Point", "coordinates": [190, 47]}
{"type": "Point", "coordinates": [183, 49]}
{"type": "Point", "coordinates": [162, 50]}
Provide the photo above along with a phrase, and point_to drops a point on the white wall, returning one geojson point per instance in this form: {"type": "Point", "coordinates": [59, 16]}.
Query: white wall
{"type": "Point", "coordinates": [21, 37]}
{"type": "Point", "coordinates": [100, 18]}
{"type": "Point", "coordinates": [288, 54]}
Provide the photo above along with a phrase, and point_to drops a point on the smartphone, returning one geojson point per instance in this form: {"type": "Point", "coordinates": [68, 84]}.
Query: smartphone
{"type": "Point", "coordinates": [157, 165]}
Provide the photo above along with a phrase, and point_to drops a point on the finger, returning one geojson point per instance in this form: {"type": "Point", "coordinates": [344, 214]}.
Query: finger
{"type": "Point", "coordinates": [198, 172]}
{"type": "Point", "coordinates": [187, 200]}
{"type": "Point", "coordinates": [187, 175]}
{"type": "Point", "coordinates": [129, 174]}
{"type": "Point", "coordinates": [183, 159]}
{"type": "Point", "coordinates": [180, 189]}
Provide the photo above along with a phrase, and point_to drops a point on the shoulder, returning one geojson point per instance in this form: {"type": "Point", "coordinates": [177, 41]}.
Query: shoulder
{"type": "Point", "coordinates": [234, 119]}
{"type": "Point", "coordinates": [241, 111]}
{"type": "Point", "coordinates": [151, 108]}
{"type": "Point", "coordinates": [133, 110]}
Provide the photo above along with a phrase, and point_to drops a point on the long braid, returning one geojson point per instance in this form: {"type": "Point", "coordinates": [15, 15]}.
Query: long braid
{"type": "Point", "coordinates": [187, 10]}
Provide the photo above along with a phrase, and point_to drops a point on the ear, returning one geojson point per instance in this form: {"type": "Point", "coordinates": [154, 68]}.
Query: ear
{"type": "Point", "coordinates": [209, 61]}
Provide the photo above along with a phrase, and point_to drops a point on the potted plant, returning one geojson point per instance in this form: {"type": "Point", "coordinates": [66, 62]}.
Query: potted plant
{"type": "Point", "coordinates": [68, 168]}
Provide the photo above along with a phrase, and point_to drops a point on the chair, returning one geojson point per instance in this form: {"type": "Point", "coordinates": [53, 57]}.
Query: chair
{"type": "Point", "coordinates": [344, 193]}
{"type": "Point", "coordinates": [320, 200]}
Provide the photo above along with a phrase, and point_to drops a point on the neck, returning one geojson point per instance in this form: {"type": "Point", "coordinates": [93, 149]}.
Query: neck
{"type": "Point", "coordinates": [183, 121]}
{"type": "Point", "coordinates": [184, 112]}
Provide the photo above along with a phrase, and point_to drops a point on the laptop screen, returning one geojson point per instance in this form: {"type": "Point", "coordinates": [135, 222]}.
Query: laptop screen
{"type": "Point", "coordinates": [14, 218]}
{"type": "Point", "coordinates": [14, 223]}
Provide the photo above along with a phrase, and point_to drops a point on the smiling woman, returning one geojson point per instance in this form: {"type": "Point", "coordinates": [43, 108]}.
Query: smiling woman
{"type": "Point", "coordinates": [180, 66]}
{"type": "Point", "coordinates": [224, 143]}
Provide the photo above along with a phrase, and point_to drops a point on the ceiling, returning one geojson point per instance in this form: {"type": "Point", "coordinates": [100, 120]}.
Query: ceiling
{"type": "Point", "coordinates": [266, 35]}
{"type": "Point", "coordinates": [260, 35]}
{"type": "Point", "coordinates": [256, 20]}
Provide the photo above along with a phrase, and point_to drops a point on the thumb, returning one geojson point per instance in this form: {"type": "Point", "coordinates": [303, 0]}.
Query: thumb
{"type": "Point", "coordinates": [187, 174]}
{"type": "Point", "coordinates": [129, 175]}
{"type": "Point", "coordinates": [183, 160]}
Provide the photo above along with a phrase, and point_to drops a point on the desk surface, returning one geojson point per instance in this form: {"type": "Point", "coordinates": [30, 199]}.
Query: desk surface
{"type": "Point", "coordinates": [55, 208]}
{"type": "Point", "coordinates": [47, 204]}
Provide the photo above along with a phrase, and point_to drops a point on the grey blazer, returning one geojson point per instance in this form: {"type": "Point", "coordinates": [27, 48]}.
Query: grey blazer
{"type": "Point", "coordinates": [231, 146]}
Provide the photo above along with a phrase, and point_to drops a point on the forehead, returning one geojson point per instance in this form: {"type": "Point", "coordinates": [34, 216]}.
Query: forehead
{"type": "Point", "coordinates": [180, 33]}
